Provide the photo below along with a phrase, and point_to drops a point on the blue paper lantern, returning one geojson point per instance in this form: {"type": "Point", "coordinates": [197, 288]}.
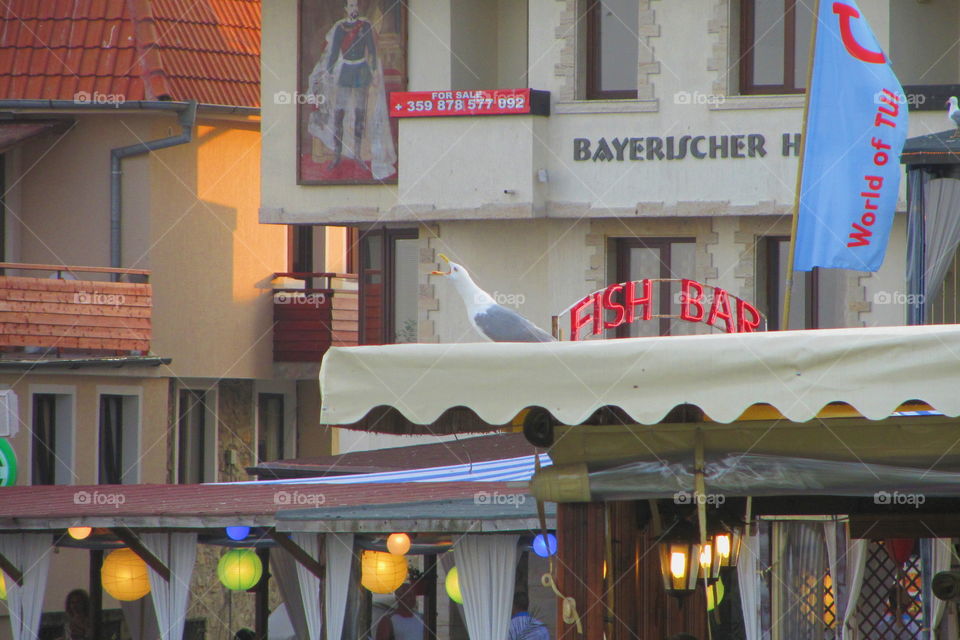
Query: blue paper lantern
{"type": "Point", "coordinates": [238, 532]}
{"type": "Point", "coordinates": [545, 547]}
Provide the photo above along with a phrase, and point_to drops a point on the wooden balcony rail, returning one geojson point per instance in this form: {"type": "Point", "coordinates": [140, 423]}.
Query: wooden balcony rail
{"type": "Point", "coordinates": [61, 312]}
{"type": "Point", "coordinates": [311, 319]}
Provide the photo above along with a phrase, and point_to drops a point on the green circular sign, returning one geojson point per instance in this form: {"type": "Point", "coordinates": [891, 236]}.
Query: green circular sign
{"type": "Point", "coordinates": [8, 464]}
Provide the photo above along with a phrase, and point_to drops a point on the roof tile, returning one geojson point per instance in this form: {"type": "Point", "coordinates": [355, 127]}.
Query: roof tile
{"type": "Point", "coordinates": [205, 50]}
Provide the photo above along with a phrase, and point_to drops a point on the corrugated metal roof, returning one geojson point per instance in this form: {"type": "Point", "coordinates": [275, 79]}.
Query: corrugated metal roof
{"type": "Point", "coordinates": [204, 50]}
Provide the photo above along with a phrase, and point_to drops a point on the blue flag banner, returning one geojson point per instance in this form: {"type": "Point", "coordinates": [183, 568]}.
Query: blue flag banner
{"type": "Point", "coordinates": [856, 127]}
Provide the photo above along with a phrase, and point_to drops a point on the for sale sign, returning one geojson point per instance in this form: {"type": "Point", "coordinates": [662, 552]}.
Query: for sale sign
{"type": "Point", "coordinates": [469, 102]}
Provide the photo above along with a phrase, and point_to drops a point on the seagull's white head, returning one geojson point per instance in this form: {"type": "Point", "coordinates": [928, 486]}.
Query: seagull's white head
{"type": "Point", "coordinates": [952, 103]}
{"type": "Point", "coordinates": [456, 272]}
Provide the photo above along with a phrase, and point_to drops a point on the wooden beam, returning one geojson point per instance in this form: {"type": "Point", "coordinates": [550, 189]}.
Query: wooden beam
{"type": "Point", "coordinates": [130, 539]}
{"type": "Point", "coordinates": [301, 556]}
{"type": "Point", "coordinates": [11, 570]}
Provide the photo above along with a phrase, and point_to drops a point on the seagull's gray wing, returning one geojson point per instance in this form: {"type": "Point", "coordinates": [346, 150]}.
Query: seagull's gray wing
{"type": "Point", "coordinates": [955, 116]}
{"type": "Point", "coordinates": [500, 324]}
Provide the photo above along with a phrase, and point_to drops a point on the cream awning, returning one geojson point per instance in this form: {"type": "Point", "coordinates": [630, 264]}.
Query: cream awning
{"type": "Point", "coordinates": [873, 370]}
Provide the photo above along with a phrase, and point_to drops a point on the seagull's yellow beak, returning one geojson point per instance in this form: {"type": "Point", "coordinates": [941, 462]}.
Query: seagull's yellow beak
{"type": "Point", "coordinates": [441, 273]}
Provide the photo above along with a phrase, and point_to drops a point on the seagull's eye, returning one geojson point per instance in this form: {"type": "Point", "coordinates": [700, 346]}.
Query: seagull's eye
{"type": "Point", "coordinates": [456, 269]}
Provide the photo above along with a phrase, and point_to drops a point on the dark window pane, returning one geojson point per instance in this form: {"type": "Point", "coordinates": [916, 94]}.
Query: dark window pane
{"type": "Point", "coordinates": [44, 438]}
{"type": "Point", "coordinates": [270, 427]}
{"type": "Point", "coordinates": [111, 440]}
{"type": "Point", "coordinates": [618, 45]}
{"type": "Point", "coordinates": [769, 31]}
{"type": "Point", "coordinates": [191, 436]}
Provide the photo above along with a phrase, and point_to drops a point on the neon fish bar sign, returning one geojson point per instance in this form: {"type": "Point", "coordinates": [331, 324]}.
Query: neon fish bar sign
{"type": "Point", "coordinates": [629, 302]}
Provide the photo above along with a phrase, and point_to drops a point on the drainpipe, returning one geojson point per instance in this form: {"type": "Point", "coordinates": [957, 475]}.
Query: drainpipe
{"type": "Point", "coordinates": [187, 117]}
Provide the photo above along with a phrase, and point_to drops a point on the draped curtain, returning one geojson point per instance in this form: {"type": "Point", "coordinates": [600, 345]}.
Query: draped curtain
{"type": "Point", "coordinates": [941, 210]}
{"type": "Point", "coordinates": [847, 559]}
{"type": "Point", "coordinates": [309, 584]}
{"type": "Point", "coordinates": [284, 569]}
{"type": "Point", "coordinates": [178, 551]}
{"type": "Point", "coordinates": [751, 584]}
{"type": "Point", "coordinates": [338, 548]}
{"type": "Point", "coordinates": [916, 181]}
{"type": "Point", "coordinates": [486, 566]}
{"type": "Point", "coordinates": [941, 556]}
{"type": "Point", "coordinates": [803, 563]}
{"type": "Point", "coordinates": [30, 553]}
{"type": "Point", "coordinates": [141, 619]}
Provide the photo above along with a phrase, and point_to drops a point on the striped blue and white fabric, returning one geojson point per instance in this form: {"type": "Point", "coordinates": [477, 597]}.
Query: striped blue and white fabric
{"type": "Point", "coordinates": [508, 470]}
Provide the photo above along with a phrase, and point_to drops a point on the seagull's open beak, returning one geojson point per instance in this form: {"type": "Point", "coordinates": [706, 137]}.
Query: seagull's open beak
{"type": "Point", "coordinates": [441, 273]}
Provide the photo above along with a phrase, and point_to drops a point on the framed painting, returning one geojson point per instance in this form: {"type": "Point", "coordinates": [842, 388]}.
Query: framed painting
{"type": "Point", "coordinates": [352, 54]}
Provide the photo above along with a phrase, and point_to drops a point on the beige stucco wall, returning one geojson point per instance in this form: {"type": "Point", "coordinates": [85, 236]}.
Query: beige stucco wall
{"type": "Point", "coordinates": [212, 260]}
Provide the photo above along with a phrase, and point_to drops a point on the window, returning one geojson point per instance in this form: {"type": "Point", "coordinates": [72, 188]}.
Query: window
{"type": "Point", "coordinates": [196, 434]}
{"type": "Point", "coordinates": [657, 258]}
{"type": "Point", "coordinates": [52, 438]}
{"type": "Point", "coordinates": [119, 435]}
{"type": "Point", "coordinates": [389, 294]}
{"type": "Point", "coordinates": [270, 427]}
{"type": "Point", "coordinates": [301, 248]}
{"type": "Point", "coordinates": [612, 49]}
{"type": "Point", "coordinates": [774, 45]}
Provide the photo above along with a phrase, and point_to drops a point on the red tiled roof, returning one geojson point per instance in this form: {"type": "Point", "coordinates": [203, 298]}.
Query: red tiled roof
{"type": "Point", "coordinates": [203, 50]}
{"type": "Point", "coordinates": [218, 500]}
{"type": "Point", "coordinates": [421, 456]}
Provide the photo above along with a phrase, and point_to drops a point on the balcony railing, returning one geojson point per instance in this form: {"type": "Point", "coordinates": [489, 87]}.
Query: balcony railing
{"type": "Point", "coordinates": [310, 319]}
{"type": "Point", "coordinates": [50, 310]}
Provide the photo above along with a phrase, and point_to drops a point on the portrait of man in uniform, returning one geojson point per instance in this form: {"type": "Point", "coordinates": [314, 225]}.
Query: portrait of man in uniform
{"type": "Point", "coordinates": [352, 54]}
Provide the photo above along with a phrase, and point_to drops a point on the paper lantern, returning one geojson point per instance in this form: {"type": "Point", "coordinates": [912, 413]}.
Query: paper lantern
{"type": "Point", "coordinates": [239, 569]}
{"type": "Point", "coordinates": [398, 544]}
{"type": "Point", "coordinates": [715, 594]}
{"type": "Point", "coordinates": [79, 533]}
{"type": "Point", "coordinates": [452, 583]}
{"type": "Point", "coordinates": [3, 587]}
{"type": "Point", "coordinates": [545, 547]}
{"type": "Point", "coordinates": [238, 532]}
{"type": "Point", "coordinates": [124, 575]}
{"type": "Point", "coordinates": [382, 572]}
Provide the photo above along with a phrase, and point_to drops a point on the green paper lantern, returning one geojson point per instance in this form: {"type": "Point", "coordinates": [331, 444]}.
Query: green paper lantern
{"type": "Point", "coordinates": [715, 593]}
{"type": "Point", "coordinates": [239, 569]}
{"type": "Point", "coordinates": [452, 583]}
{"type": "Point", "coordinates": [3, 587]}
{"type": "Point", "coordinates": [8, 464]}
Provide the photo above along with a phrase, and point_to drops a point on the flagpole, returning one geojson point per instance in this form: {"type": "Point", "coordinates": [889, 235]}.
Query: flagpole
{"type": "Point", "coordinates": [788, 293]}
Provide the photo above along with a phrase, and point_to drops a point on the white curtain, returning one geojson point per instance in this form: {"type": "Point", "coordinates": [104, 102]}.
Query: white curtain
{"type": "Point", "coordinates": [942, 556]}
{"type": "Point", "coordinates": [338, 548]}
{"type": "Point", "coordinates": [847, 559]}
{"type": "Point", "coordinates": [30, 553]}
{"type": "Point", "coordinates": [942, 229]}
{"type": "Point", "coordinates": [751, 585]}
{"type": "Point", "coordinates": [486, 567]}
{"type": "Point", "coordinates": [285, 572]}
{"type": "Point", "coordinates": [141, 618]}
{"type": "Point", "coordinates": [178, 551]}
{"type": "Point", "coordinates": [309, 584]}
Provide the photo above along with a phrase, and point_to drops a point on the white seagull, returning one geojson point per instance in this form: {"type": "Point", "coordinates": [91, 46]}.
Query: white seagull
{"type": "Point", "coordinates": [954, 114]}
{"type": "Point", "coordinates": [494, 322]}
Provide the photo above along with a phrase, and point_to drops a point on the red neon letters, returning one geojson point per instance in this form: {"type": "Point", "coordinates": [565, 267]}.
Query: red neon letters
{"type": "Point", "coordinates": [627, 302]}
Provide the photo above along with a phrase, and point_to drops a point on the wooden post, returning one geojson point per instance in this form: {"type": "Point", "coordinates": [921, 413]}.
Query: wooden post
{"type": "Point", "coordinates": [262, 601]}
{"type": "Point", "coordinates": [96, 593]}
{"type": "Point", "coordinates": [787, 294]}
{"type": "Point", "coordinates": [579, 562]}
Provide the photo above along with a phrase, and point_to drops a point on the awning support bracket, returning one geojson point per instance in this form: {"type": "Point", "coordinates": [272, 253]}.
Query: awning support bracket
{"type": "Point", "coordinates": [11, 570]}
{"type": "Point", "coordinates": [129, 538]}
{"type": "Point", "coordinates": [295, 550]}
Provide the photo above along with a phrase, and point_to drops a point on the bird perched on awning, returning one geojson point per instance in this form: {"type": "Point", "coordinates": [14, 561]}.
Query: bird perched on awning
{"type": "Point", "coordinates": [494, 322]}
{"type": "Point", "coordinates": [954, 114]}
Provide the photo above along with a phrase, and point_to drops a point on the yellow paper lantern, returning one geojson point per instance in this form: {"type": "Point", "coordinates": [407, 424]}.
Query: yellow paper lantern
{"type": "Point", "coordinates": [398, 544]}
{"type": "Point", "coordinates": [452, 583]}
{"type": "Point", "coordinates": [382, 572]}
{"type": "Point", "coordinates": [79, 533]}
{"type": "Point", "coordinates": [124, 575]}
{"type": "Point", "coordinates": [3, 587]}
{"type": "Point", "coordinates": [239, 569]}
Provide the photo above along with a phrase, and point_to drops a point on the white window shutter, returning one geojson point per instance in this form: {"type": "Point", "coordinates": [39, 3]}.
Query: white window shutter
{"type": "Point", "coordinates": [9, 417]}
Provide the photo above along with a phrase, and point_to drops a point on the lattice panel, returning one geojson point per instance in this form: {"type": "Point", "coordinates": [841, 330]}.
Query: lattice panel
{"type": "Point", "coordinates": [884, 592]}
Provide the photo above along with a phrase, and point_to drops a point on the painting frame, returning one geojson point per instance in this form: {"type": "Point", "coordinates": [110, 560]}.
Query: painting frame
{"type": "Point", "coordinates": [346, 71]}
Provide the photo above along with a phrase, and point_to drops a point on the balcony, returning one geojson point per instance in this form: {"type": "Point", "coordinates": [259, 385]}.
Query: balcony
{"type": "Point", "coordinates": [47, 310]}
{"type": "Point", "coordinates": [311, 313]}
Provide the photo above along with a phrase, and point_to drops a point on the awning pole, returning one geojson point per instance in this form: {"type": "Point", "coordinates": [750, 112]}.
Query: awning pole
{"type": "Point", "coordinates": [788, 292]}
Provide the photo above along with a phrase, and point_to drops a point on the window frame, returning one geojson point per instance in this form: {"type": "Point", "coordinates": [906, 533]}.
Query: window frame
{"type": "Point", "coordinates": [208, 440]}
{"type": "Point", "coordinates": [663, 244]}
{"type": "Point", "coordinates": [131, 398]}
{"type": "Point", "coordinates": [388, 281]}
{"type": "Point", "coordinates": [281, 434]}
{"type": "Point", "coordinates": [811, 318]}
{"type": "Point", "coordinates": [747, 48]}
{"type": "Point", "coordinates": [65, 436]}
{"type": "Point", "coordinates": [594, 61]}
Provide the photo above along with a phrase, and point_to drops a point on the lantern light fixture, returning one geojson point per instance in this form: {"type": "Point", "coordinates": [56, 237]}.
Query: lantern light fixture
{"type": "Point", "coordinates": [679, 549]}
{"type": "Point", "coordinates": [452, 584]}
{"type": "Point", "coordinates": [726, 544]}
{"type": "Point", "coordinates": [398, 544]}
{"type": "Point", "coordinates": [545, 546]}
{"type": "Point", "coordinates": [124, 575]}
{"type": "Point", "coordinates": [382, 572]}
{"type": "Point", "coordinates": [239, 569]}
{"type": "Point", "coordinates": [238, 532]}
{"type": "Point", "coordinates": [79, 533]}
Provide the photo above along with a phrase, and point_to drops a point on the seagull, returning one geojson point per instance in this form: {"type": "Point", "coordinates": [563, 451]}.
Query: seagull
{"type": "Point", "coordinates": [494, 322]}
{"type": "Point", "coordinates": [954, 114]}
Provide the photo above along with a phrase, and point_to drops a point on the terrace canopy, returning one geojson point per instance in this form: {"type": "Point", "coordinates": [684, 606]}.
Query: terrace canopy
{"type": "Point", "coordinates": [840, 412]}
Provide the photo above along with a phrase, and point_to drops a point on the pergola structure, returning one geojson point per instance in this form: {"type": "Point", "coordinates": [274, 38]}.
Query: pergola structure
{"type": "Point", "coordinates": [644, 431]}
{"type": "Point", "coordinates": [312, 534]}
